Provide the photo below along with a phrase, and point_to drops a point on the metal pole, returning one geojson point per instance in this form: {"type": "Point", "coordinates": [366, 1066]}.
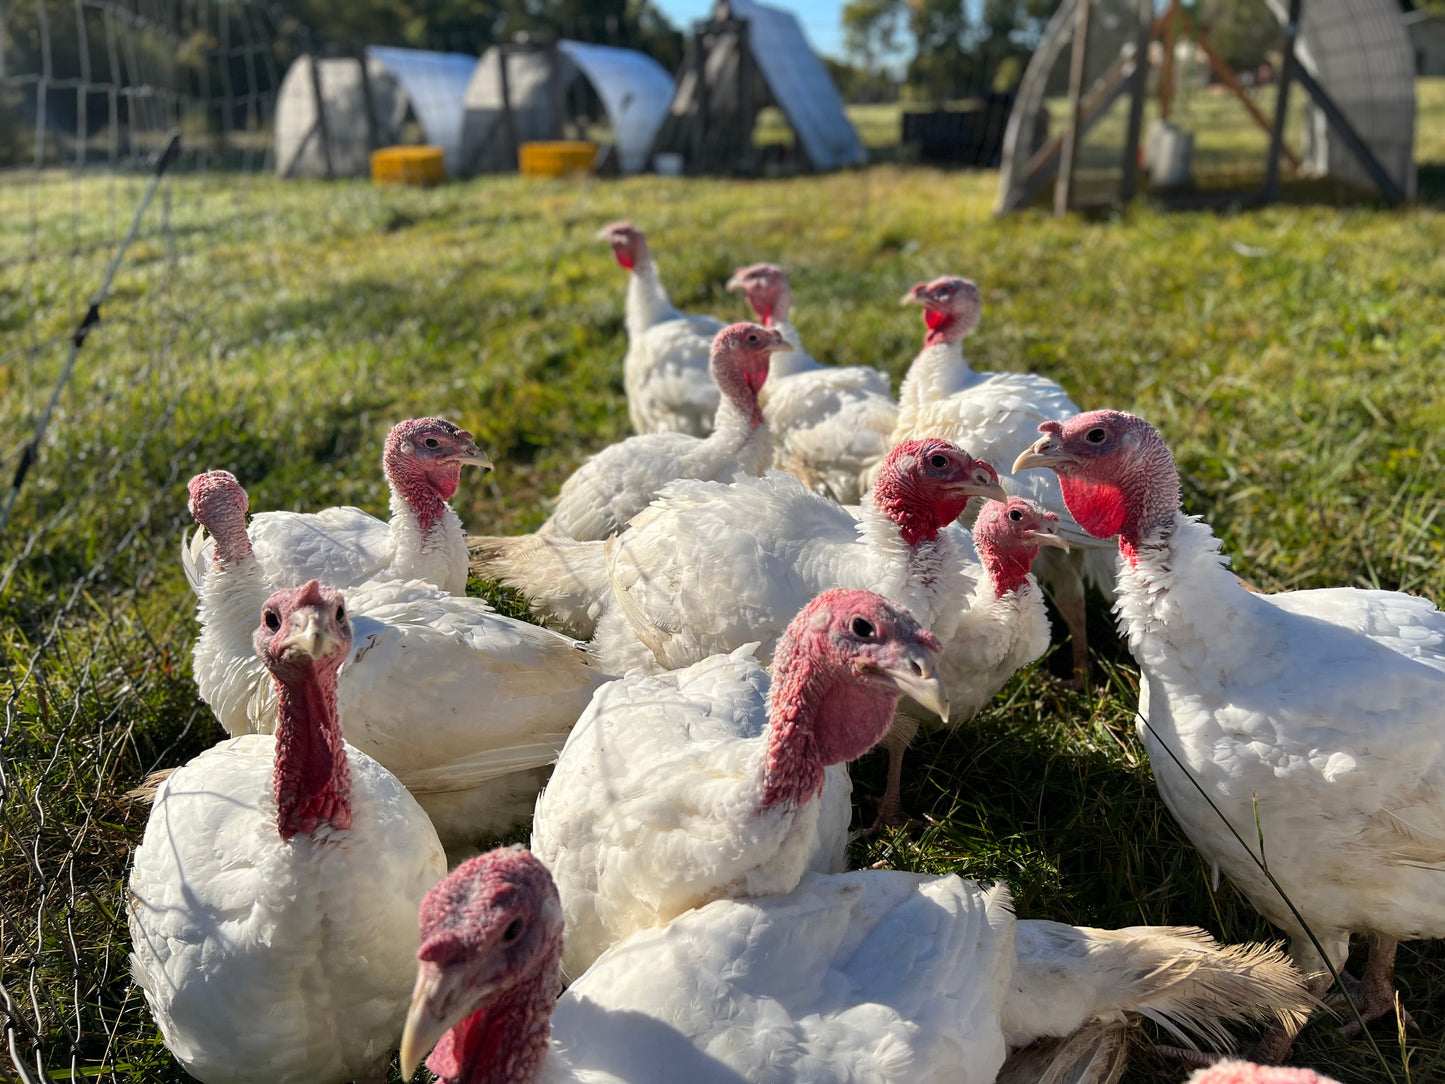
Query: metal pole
{"type": "Point", "coordinates": [321, 113]}
{"type": "Point", "coordinates": [1281, 105]}
{"type": "Point", "coordinates": [1064, 188]}
{"type": "Point", "coordinates": [373, 130]}
{"type": "Point", "coordinates": [1129, 183]}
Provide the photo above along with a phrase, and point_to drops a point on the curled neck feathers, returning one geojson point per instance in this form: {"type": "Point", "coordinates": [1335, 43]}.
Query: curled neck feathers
{"type": "Point", "coordinates": [311, 779]}
{"type": "Point", "coordinates": [816, 717]}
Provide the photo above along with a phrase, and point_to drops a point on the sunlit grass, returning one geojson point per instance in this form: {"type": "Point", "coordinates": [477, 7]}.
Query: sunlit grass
{"type": "Point", "coordinates": [1291, 356]}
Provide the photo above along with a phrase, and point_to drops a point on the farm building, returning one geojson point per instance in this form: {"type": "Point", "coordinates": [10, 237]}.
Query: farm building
{"type": "Point", "coordinates": [1356, 51]}
{"type": "Point", "coordinates": [364, 104]}
{"type": "Point", "coordinates": [521, 93]}
{"type": "Point", "coordinates": [747, 57]}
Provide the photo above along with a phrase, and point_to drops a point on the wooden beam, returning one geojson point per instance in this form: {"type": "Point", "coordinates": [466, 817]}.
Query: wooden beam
{"type": "Point", "coordinates": [1281, 105]}
{"type": "Point", "coordinates": [1138, 88]}
{"type": "Point", "coordinates": [1078, 69]}
{"type": "Point", "coordinates": [1387, 185]}
{"type": "Point", "coordinates": [1166, 70]}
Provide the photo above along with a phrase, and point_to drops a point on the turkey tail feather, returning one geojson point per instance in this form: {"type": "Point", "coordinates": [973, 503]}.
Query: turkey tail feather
{"type": "Point", "coordinates": [1179, 977]}
{"type": "Point", "coordinates": [565, 581]}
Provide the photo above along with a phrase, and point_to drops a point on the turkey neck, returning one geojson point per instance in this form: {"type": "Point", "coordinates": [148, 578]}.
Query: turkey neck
{"type": "Point", "coordinates": [311, 780]}
{"type": "Point", "coordinates": [647, 300]}
{"type": "Point", "coordinates": [739, 434]}
{"type": "Point", "coordinates": [416, 495]}
{"type": "Point", "coordinates": [505, 1042]}
{"type": "Point", "coordinates": [1007, 568]}
{"type": "Point", "coordinates": [939, 370]}
{"type": "Point", "coordinates": [816, 719]}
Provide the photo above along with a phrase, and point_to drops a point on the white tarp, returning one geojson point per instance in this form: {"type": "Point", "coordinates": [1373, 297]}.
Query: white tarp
{"type": "Point", "coordinates": [635, 90]}
{"type": "Point", "coordinates": [435, 85]}
{"type": "Point", "coordinates": [431, 85]}
{"type": "Point", "coordinates": [800, 84]}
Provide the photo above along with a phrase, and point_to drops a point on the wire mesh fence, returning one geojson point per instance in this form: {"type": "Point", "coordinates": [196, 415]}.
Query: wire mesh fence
{"type": "Point", "coordinates": [109, 281]}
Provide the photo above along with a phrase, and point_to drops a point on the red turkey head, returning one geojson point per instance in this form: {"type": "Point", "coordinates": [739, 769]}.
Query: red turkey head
{"type": "Point", "coordinates": [1115, 470]}
{"type": "Point", "coordinates": [924, 485]}
{"type": "Point", "coordinates": [219, 504]}
{"type": "Point", "coordinates": [1008, 536]}
{"type": "Point", "coordinates": [491, 926]}
{"type": "Point", "coordinates": [766, 288]}
{"type": "Point", "coordinates": [739, 363]}
{"type": "Point", "coordinates": [951, 307]}
{"type": "Point", "coordinates": [629, 246]}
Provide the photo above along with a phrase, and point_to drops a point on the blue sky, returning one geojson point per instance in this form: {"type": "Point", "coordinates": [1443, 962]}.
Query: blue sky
{"type": "Point", "coordinates": [822, 19]}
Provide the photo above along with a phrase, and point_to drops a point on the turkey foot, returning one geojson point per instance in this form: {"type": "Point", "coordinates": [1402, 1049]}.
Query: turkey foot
{"type": "Point", "coordinates": [1374, 995]}
{"type": "Point", "coordinates": [890, 806]}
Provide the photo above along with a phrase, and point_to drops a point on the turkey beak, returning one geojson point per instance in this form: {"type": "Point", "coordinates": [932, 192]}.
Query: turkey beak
{"type": "Point", "coordinates": [308, 630]}
{"type": "Point", "coordinates": [472, 455]}
{"type": "Point", "coordinates": [1048, 538]}
{"type": "Point", "coordinates": [737, 284]}
{"type": "Point", "coordinates": [984, 483]}
{"type": "Point", "coordinates": [1044, 452]}
{"type": "Point", "coordinates": [439, 1001]}
{"type": "Point", "coordinates": [915, 295]}
{"type": "Point", "coordinates": [777, 344]}
{"type": "Point", "coordinates": [915, 676]}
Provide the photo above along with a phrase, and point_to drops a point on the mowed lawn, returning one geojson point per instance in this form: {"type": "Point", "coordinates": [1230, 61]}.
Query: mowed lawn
{"type": "Point", "coordinates": [1292, 357]}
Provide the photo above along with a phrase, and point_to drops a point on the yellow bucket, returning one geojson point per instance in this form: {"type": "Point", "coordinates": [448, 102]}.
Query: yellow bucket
{"type": "Point", "coordinates": [556, 158]}
{"type": "Point", "coordinates": [408, 165]}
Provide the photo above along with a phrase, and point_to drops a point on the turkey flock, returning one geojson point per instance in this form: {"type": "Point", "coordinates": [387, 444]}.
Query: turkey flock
{"type": "Point", "coordinates": [783, 569]}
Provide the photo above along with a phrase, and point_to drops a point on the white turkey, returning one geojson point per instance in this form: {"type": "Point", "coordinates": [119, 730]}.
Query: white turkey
{"type": "Point", "coordinates": [1314, 720]}
{"type": "Point", "coordinates": [829, 423]}
{"type": "Point", "coordinates": [1004, 627]}
{"type": "Point", "coordinates": [709, 566]}
{"type": "Point", "coordinates": [872, 977]}
{"type": "Point", "coordinates": [273, 897]}
{"type": "Point", "coordinates": [467, 707]}
{"type": "Point", "coordinates": [665, 371]}
{"type": "Point", "coordinates": [995, 416]}
{"type": "Point", "coordinates": [619, 481]}
{"type": "Point", "coordinates": [346, 547]}
{"type": "Point", "coordinates": [677, 790]}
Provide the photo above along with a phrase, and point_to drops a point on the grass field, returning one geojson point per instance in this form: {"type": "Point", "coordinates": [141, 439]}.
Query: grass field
{"type": "Point", "coordinates": [1292, 357]}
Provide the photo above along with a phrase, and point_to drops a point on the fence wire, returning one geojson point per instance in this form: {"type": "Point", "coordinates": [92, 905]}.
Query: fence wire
{"type": "Point", "coordinates": [93, 635]}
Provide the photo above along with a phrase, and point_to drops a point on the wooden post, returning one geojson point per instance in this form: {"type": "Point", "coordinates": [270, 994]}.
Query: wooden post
{"type": "Point", "coordinates": [1166, 70]}
{"type": "Point", "coordinates": [1138, 88]}
{"type": "Point", "coordinates": [745, 97]}
{"type": "Point", "coordinates": [1078, 64]}
{"type": "Point", "coordinates": [509, 123]}
{"type": "Point", "coordinates": [1281, 105]}
{"type": "Point", "coordinates": [700, 122]}
{"type": "Point", "coordinates": [373, 131]}
{"type": "Point", "coordinates": [321, 114]}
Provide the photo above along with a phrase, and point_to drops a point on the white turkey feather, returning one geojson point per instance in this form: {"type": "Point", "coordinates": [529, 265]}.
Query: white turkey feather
{"type": "Point", "coordinates": [269, 961]}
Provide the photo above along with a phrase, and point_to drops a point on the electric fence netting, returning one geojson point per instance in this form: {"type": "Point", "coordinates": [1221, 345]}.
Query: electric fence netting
{"type": "Point", "coordinates": [111, 279]}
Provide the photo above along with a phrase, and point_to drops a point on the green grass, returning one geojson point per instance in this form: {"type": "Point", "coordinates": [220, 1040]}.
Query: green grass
{"type": "Point", "coordinates": [1291, 356]}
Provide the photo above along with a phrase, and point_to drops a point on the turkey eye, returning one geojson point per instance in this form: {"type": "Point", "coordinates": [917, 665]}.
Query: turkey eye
{"type": "Point", "coordinates": [1015, 515]}
{"type": "Point", "coordinates": [862, 627]}
{"type": "Point", "coordinates": [432, 442]}
{"type": "Point", "coordinates": [273, 622]}
{"type": "Point", "coordinates": [341, 613]}
{"type": "Point", "coordinates": [1095, 436]}
{"type": "Point", "coordinates": [940, 461]}
{"type": "Point", "coordinates": [514, 931]}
